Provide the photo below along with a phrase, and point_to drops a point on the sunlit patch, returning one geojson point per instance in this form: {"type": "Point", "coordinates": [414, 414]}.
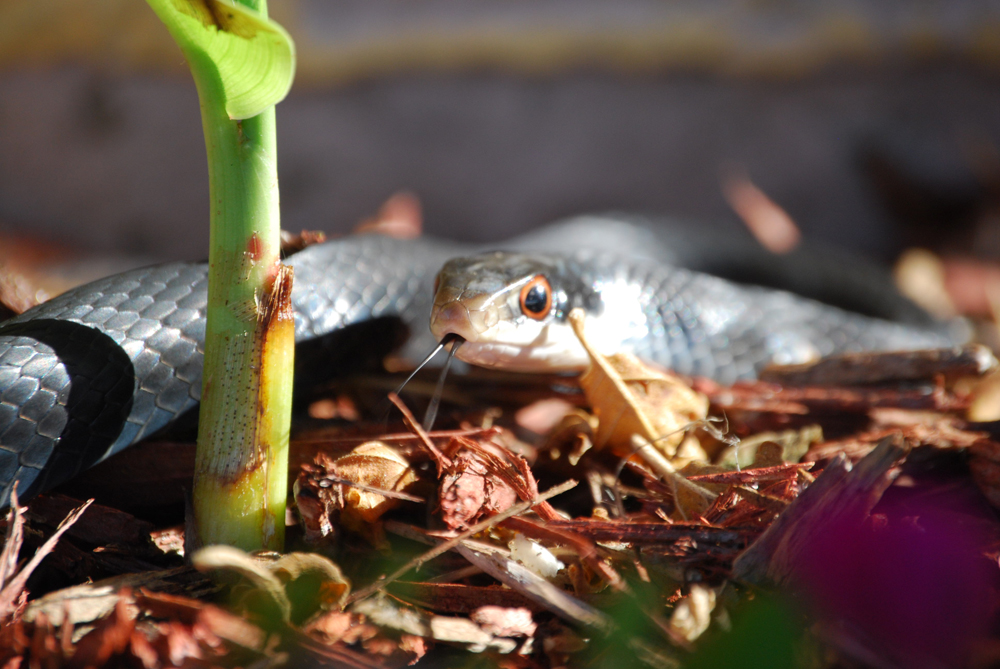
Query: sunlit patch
{"type": "Point", "coordinates": [791, 350]}
{"type": "Point", "coordinates": [622, 317]}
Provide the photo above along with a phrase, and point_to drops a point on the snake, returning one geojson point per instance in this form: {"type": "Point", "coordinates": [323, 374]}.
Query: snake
{"type": "Point", "coordinates": [102, 366]}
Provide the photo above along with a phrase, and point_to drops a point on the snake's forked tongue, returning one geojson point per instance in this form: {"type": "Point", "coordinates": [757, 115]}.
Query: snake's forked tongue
{"type": "Point", "coordinates": [432, 408]}
{"type": "Point", "coordinates": [435, 403]}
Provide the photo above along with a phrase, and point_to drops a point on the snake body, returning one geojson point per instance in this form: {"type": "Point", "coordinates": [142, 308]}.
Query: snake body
{"type": "Point", "coordinates": [98, 368]}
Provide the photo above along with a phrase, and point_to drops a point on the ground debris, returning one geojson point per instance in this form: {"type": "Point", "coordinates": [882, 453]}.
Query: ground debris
{"type": "Point", "coordinates": [476, 538]}
{"type": "Point", "coordinates": [841, 496]}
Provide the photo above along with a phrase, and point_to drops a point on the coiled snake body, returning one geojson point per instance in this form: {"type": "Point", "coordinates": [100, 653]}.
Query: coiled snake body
{"type": "Point", "coordinates": [96, 369]}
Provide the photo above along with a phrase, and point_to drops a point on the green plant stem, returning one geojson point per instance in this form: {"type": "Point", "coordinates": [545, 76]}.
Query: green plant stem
{"type": "Point", "coordinates": [241, 462]}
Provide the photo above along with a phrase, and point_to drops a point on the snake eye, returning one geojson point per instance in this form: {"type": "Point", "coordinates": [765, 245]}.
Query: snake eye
{"type": "Point", "coordinates": [536, 298]}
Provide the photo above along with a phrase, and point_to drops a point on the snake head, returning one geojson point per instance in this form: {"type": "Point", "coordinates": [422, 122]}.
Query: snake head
{"type": "Point", "coordinates": [511, 310]}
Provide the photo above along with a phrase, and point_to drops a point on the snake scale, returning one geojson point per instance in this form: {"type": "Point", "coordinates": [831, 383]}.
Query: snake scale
{"type": "Point", "coordinates": [98, 368]}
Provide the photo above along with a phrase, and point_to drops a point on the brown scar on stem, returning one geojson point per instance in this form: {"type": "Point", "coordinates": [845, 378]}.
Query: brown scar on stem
{"type": "Point", "coordinates": [273, 314]}
{"type": "Point", "coordinates": [255, 248]}
{"type": "Point", "coordinates": [274, 317]}
{"type": "Point", "coordinates": [276, 306]}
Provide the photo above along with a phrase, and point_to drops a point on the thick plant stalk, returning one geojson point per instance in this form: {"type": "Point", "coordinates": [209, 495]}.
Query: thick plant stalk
{"type": "Point", "coordinates": [241, 461]}
{"type": "Point", "coordinates": [240, 487]}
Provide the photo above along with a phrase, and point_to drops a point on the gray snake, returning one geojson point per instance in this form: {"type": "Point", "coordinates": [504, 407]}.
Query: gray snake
{"type": "Point", "coordinates": [98, 368]}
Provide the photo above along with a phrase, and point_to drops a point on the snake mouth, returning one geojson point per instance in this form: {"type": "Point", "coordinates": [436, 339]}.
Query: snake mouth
{"type": "Point", "coordinates": [471, 319]}
{"type": "Point", "coordinates": [524, 347]}
{"type": "Point", "coordinates": [478, 327]}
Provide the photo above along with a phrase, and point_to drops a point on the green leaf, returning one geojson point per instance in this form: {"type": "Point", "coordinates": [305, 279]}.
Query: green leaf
{"type": "Point", "coordinates": [249, 58]}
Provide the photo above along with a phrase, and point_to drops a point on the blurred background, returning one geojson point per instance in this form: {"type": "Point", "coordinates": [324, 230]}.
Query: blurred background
{"type": "Point", "coordinates": [874, 125]}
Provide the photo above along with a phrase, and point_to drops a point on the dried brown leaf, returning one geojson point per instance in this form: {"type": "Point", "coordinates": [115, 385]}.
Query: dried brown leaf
{"type": "Point", "coordinates": [374, 465]}
{"type": "Point", "coordinates": [631, 398]}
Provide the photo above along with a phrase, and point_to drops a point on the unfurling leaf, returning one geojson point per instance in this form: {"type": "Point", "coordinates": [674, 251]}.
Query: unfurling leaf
{"type": "Point", "coordinates": [232, 47]}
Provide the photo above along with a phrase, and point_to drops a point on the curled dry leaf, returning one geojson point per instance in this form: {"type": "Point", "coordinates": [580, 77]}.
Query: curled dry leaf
{"type": "Point", "coordinates": [377, 466]}
{"type": "Point", "coordinates": [358, 488]}
{"type": "Point", "coordinates": [313, 582]}
{"type": "Point", "coordinates": [266, 592]}
{"type": "Point", "coordinates": [296, 585]}
{"type": "Point", "coordinates": [631, 398]}
{"type": "Point", "coordinates": [573, 436]}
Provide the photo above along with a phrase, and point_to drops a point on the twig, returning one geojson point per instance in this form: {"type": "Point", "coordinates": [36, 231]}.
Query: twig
{"type": "Point", "coordinates": [662, 467]}
{"type": "Point", "coordinates": [329, 480]}
{"type": "Point", "coordinates": [411, 422]}
{"type": "Point", "coordinates": [399, 436]}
